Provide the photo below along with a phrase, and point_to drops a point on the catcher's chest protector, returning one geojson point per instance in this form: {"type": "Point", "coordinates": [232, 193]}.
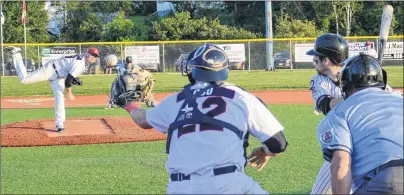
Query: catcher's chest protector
{"type": "Point", "coordinates": [189, 114]}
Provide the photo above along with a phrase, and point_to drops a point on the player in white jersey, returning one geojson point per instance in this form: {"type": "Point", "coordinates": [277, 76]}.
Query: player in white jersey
{"type": "Point", "coordinates": [208, 124]}
{"type": "Point", "coordinates": [362, 136]}
{"type": "Point", "coordinates": [61, 73]}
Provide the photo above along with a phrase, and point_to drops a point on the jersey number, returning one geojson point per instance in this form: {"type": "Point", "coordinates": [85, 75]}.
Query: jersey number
{"type": "Point", "coordinates": [218, 110]}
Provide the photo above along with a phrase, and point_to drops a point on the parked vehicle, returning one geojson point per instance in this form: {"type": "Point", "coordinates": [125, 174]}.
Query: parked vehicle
{"type": "Point", "coordinates": [237, 65]}
{"type": "Point", "coordinates": [282, 60]}
{"type": "Point", "coordinates": [10, 70]}
{"type": "Point", "coordinates": [153, 67]}
{"type": "Point", "coordinates": [182, 57]}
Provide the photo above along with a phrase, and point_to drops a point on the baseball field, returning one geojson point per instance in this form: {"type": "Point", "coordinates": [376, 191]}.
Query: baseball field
{"type": "Point", "coordinates": [34, 162]}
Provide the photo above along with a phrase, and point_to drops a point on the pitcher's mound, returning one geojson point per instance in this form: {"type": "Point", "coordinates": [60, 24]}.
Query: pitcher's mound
{"type": "Point", "coordinates": [79, 127]}
{"type": "Point", "coordinates": [83, 130]}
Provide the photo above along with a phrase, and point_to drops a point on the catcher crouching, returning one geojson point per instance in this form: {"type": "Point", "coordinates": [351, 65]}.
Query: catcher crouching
{"type": "Point", "coordinates": [132, 83]}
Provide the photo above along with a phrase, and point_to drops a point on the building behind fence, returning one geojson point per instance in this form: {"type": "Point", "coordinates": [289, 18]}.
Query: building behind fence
{"type": "Point", "coordinates": [166, 56]}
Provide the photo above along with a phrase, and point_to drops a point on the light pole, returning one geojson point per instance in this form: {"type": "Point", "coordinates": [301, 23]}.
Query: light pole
{"type": "Point", "coordinates": [268, 32]}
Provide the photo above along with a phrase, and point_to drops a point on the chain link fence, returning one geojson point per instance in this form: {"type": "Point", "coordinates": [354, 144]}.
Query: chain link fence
{"type": "Point", "coordinates": [250, 55]}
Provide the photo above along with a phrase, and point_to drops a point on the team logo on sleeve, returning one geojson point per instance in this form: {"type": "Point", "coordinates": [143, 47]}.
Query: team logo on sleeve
{"type": "Point", "coordinates": [325, 85]}
{"type": "Point", "coordinates": [327, 136]}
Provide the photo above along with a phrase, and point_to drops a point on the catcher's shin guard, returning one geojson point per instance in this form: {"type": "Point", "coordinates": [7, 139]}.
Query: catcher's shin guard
{"type": "Point", "coordinates": [149, 98]}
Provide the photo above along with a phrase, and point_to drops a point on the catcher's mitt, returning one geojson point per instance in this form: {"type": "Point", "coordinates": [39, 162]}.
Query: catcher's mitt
{"type": "Point", "coordinates": [130, 88]}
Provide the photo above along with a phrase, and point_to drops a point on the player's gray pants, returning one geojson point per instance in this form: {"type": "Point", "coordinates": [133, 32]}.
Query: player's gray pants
{"type": "Point", "coordinates": [322, 185]}
{"type": "Point", "coordinates": [231, 183]}
{"type": "Point", "coordinates": [387, 181]}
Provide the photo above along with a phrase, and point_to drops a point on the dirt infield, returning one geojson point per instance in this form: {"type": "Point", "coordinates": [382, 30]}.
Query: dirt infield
{"type": "Point", "coordinates": [94, 130]}
{"type": "Point", "coordinates": [269, 97]}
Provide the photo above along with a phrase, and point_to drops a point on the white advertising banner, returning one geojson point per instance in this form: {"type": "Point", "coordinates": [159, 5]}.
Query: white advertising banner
{"type": "Point", "coordinates": [51, 53]}
{"type": "Point", "coordinates": [143, 54]}
{"type": "Point", "coordinates": [235, 52]}
{"type": "Point", "coordinates": [359, 47]}
{"type": "Point", "coordinates": [300, 52]}
{"type": "Point", "coordinates": [354, 49]}
{"type": "Point", "coordinates": [393, 51]}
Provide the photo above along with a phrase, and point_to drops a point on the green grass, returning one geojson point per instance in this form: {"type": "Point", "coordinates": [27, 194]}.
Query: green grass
{"type": "Point", "coordinates": [138, 168]}
{"type": "Point", "coordinates": [170, 82]}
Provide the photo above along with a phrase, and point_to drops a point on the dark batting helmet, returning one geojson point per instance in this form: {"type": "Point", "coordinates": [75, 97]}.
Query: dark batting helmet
{"type": "Point", "coordinates": [332, 46]}
{"type": "Point", "coordinates": [129, 59]}
{"type": "Point", "coordinates": [209, 63]}
{"type": "Point", "coordinates": [362, 71]}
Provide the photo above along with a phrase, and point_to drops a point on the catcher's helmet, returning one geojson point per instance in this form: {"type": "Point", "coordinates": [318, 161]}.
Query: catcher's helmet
{"type": "Point", "coordinates": [129, 59]}
{"type": "Point", "coordinates": [94, 51]}
{"type": "Point", "coordinates": [362, 71]}
{"type": "Point", "coordinates": [209, 63]}
{"type": "Point", "coordinates": [332, 46]}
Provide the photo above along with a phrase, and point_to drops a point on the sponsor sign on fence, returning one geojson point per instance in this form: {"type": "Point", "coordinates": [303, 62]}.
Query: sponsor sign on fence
{"type": "Point", "coordinates": [235, 52]}
{"type": "Point", "coordinates": [143, 54]}
{"type": "Point", "coordinates": [50, 53]}
{"type": "Point", "coordinates": [393, 51]}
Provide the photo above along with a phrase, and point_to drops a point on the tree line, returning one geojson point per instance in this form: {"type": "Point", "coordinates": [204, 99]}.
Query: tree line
{"type": "Point", "coordinates": [85, 21]}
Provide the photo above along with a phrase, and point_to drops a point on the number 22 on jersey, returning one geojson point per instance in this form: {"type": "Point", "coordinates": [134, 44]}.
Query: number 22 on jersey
{"type": "Point", "coordinates": [218, 110]}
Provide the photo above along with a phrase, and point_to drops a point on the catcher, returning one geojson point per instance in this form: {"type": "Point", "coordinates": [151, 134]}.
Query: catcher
{"type": "Point", "coordinates": [134, 83]}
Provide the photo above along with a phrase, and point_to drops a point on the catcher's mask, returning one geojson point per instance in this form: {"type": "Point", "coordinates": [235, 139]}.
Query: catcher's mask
{"type": "Point", "coordinates": [361, 71]}
{"type": "Point", "coordinates": [184, 68]}
{"type": "Point", "coordinates": [208, 63]}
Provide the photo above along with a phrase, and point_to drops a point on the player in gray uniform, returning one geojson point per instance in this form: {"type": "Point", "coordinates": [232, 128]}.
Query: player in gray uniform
{"type": "Point", "coordinates": [330, 51]}
{"type": "Point", "coordinates": [362, 136]}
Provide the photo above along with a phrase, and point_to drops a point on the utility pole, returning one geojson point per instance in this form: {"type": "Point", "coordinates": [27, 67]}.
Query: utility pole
{"type": "Point", "coordinates": [268, 32]}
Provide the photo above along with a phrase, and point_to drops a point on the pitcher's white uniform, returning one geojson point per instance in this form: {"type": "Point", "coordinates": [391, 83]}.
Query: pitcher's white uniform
{"type": "Point", "coordinates": [201, 149]}
{"type": "Point", "coordinates": [55, 71]}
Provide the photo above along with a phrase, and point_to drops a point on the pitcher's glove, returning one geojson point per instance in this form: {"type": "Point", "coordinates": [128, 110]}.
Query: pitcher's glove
{"type": "Point", "coordinates": [70, 80]}
{"type": "Point", "coordinates": [77, 81]}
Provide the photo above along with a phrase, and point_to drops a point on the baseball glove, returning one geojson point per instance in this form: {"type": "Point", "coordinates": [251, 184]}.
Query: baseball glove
{"type": "Point", "coordinates": [77, 81]}
{"type": "Point", "coordinates": [129, 88]}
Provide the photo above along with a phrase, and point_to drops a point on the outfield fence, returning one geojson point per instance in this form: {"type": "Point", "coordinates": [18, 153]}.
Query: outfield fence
{"type": "Point", "coordinates": [165, 56]}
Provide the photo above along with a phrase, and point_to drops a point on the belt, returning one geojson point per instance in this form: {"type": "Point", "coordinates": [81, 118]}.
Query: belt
{"type": "Point", "coordinates": [392, 163]}
{"type": "Point", "coordinates": [54, 67]}
{"type": "Point", "coordinates": [216, 171]}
